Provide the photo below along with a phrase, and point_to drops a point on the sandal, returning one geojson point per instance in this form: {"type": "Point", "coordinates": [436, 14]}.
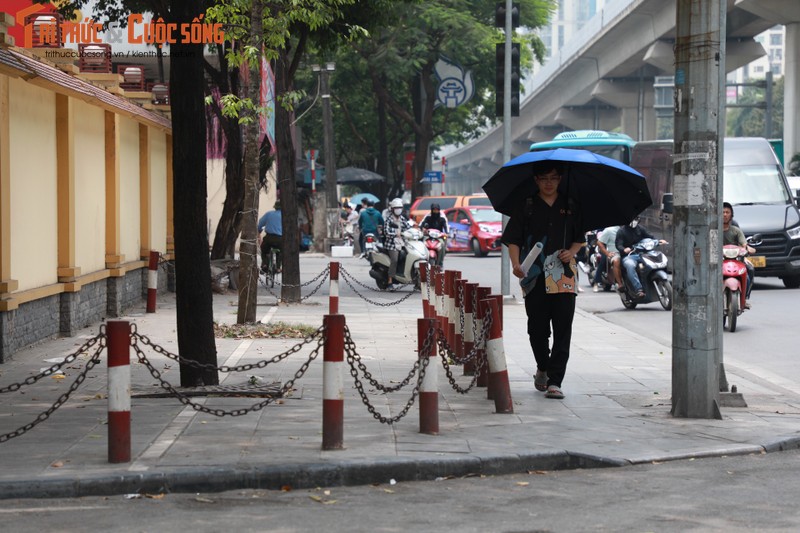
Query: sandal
{"type": "Point", "coordinates": [554, 393]}
{"type": "Point", "coordinates": [540, 380]}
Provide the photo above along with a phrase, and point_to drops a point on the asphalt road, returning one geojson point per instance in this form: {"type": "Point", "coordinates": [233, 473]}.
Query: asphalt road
{"type": "Point", "coordinates": [746, 493]}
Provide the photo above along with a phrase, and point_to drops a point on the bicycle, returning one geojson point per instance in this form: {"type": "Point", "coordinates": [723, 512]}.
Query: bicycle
{"type": "Point", "coordinates": [272, 267]}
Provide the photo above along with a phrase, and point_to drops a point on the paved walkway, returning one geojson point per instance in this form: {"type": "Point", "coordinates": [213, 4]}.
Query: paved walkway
{"type": "Point", "coordinates": [616, 411]}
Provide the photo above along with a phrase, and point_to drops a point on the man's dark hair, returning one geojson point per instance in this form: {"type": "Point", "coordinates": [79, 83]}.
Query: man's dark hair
{"type": "Point", "coordinates": [546, 166]}
{"type": "Point", "coordinates": [370, 203]}
{"type": "Point", "coordinates": [728, 205]}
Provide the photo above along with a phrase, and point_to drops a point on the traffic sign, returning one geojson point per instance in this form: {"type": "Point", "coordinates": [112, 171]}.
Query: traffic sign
{"type": "Point", "coordinates": [432, 176]}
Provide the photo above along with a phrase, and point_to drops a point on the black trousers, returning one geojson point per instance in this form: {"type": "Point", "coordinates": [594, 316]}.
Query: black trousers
{"type": "Point", "coordinates": [550, 314]}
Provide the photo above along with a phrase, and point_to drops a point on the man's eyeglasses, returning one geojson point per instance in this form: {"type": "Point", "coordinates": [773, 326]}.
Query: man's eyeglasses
{"type": "Point", "coordinates": [548, 177]}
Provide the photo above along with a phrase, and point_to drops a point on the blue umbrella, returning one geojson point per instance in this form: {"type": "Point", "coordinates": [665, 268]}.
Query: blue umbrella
{"type": "Point", "coordinates": [356, 198]}
{"type": "Point", "coordinates": [607, 192]}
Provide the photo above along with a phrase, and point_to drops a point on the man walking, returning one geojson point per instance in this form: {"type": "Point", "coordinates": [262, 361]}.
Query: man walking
{"type": "Point", "coordinates": [550, 219]}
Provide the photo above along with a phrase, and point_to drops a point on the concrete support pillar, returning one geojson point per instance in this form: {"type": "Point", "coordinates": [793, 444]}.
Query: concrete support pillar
{"type": "Point", "coordinates": [791, 92]}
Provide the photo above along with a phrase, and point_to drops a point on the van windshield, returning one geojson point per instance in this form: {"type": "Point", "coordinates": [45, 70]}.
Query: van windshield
{"type": "Point", "coordinates": [753, 184]}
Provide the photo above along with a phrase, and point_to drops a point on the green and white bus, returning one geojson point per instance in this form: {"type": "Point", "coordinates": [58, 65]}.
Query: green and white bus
{"type": "Point", "coordinates": [613, 145]}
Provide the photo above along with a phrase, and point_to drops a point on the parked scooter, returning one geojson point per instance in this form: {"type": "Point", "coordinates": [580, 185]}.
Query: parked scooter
{"type": "Point", "coordinates": [734, 281]}
{"type": "Point", "coordinates": [652, 271]}
{"type": "Point", "coordinates": [435, 243]}
{"type": "Point", "coordinates": [370, 246]}
{"type": "Point", "coordinates": [411, 253]}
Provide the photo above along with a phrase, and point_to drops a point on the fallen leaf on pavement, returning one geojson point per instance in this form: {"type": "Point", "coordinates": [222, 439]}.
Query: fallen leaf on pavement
{"type": "Point", "coordinates": [57, 464]}
{"type": "Point", "coordinates": [203, 500]}
{"type": "Point", "coordinates": [388, 491]}
{"type": "Point", "coordinates": [155, 496]}
{"type": "Point", "coordinates": [538, 472]}
{"type": "Point", "coordinates": [522, 483]}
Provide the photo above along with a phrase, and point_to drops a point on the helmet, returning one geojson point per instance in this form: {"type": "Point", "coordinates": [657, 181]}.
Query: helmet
{"type": "Point", "coordinates": [435, 206]}
{"type": "Point", "coordinates": [397, 202]}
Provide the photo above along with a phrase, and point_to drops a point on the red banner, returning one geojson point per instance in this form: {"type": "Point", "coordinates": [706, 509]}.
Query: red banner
{"type": "Point", "coordinates": [408, 159]}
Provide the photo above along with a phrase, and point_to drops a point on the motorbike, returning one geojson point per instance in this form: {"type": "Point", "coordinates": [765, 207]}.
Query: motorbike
{"type": "Point", "coordinates": [435, 243]}
{"type": "Point", "coordinates": [412, 253]}
{"type": "Point", "coordinates": [595, 256]}
{"type": "Point", "coordinates": [370, 245]}
{"type": "Point", "coordinates": [734, 282]}
{"type": "Point", "coordinates": [652, 271]}
{"type": "Point", "coordinates": [347, 233]}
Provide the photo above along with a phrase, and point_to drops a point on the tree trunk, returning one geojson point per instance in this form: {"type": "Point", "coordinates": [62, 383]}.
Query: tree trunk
{"type": "Point", "coordinates": [290, 290]}
{"type": "Point", "coordinates": [248, 246]}
{"type": "Point", "coordinates": [195, 315]}
{"type": "Point", "coordinates": [229, 223]}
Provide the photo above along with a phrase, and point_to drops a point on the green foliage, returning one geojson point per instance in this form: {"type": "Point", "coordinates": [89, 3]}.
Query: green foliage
{"type": "Point", "coordinates": [750, 121]}
{"type": "Point", "coordinates": [386, 64]}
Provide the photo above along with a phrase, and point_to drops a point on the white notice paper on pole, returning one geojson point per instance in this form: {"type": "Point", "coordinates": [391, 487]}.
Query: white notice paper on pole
{"type": "Point", "coordinates": [688, 189]}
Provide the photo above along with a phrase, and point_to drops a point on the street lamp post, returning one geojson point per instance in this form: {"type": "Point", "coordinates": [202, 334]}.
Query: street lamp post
{"type": "Point", "coordinates": [330, 201]}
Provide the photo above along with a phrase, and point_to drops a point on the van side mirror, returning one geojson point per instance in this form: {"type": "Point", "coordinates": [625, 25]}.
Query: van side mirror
{"type": "Point", "coordinates": [666, 203]}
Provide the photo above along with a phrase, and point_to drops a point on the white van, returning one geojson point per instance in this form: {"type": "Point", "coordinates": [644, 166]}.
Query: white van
{"type": "Point", "coordinates": [753, 182]}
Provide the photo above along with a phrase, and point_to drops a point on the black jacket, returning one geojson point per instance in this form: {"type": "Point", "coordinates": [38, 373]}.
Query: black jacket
{"type": "Point", "coordinates": [628, 236]}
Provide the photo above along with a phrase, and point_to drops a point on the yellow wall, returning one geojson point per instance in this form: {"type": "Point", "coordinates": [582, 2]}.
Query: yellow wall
{"type": "Point", "coordinates": [90, 188]}
{"type": "Point", "coordinates": [158, 190]}
{"type": "Point", "coordinates": [130, 242]}
{"type": "Point", "coordinates": [34, 253]}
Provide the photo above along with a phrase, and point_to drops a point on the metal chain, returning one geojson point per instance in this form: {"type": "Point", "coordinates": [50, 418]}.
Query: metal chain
{"type": "Point", "coordinates": [346, 274]}
{"type": "Point", "coordinates": [324, 273]}
{"type": "Point", "coordinates": [478, 344]}
{"type": "Point", "coordinates": [474, 314]}
{"type": "Point", "coordinates": [353, 357]}
{"type": "Point", "coordinates": [449, 372]}
{"type": "Point", "coordinates": [100, 337]}
{"type": "Point", "coordinates": [185, 400]}
{"type": "Point", "coordinates": [373, 302]}
{"type": "Point", "coordinates": [209, 366]}
{"type": "Point", "coordinates": [91, 363]}
{"type": "Point", "coordinates": [307, 296]}
{"type": "Point", "coordinates": [426, 347]}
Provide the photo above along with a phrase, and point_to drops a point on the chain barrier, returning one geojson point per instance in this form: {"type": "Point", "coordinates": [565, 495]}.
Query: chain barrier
{"type": "Point", "coordinates": [136, 338]}
{"type": "Point", "coordinates": [461, 311]}
{"type": "Point", "coordinates": [446, 354]}
{"type": "Point", "coordinates": [91, 363]}
{"type": "Point", "coordinates": [100, 337]}
{"type": "Point", "coordinates": [353, 357]}
{"type": "Point", "coordinates": [347, 278]}
{"type": "Point", "coordinates": [185, 400]}
{"type": "Point", "coordinates": [321, 277]}
{"type": "Point", "coordinates": [345, 274]}
{"type": "Point", "coordinates": [421, 366]}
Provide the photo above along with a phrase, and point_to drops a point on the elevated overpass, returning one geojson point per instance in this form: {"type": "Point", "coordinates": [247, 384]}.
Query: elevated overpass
{"type": "Point", "coordinates": [603, 79]}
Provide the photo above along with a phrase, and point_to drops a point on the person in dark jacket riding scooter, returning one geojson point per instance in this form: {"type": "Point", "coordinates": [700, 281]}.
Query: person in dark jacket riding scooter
{"type": "Point", "coordinates": [627, 237]}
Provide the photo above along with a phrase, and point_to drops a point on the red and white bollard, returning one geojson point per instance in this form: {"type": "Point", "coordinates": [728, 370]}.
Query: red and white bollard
{"type": "Point", "coordinates": [152, 281]}
{"type": "Point", "coordinates": [429, 388]}
{"type": "Point", "coordinates": [480, 360]}
{"type": "Point", "coordinates": [423, 284]}
{"type": "Point", "coordinates": [119, 391]}
{"type": "Point", "coordinates": [333, 384]}
{"type": "Point", "coordinates": [333, 300]}
{"type": "Point", "coordinates": [469, 317]}
{"type": "Point", "coordinates": [458, 316]}
{"type": "Point", "coordinates": [496, 356]}
{"type": "Point", "coordinates": [438, 304]}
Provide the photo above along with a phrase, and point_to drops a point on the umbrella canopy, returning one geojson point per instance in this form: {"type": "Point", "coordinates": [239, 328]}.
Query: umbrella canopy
{"type": "Point", "coordinates": [606, 191]}
{"type": "Point", "coordinates": [356, 198]}
{"type": "Point", "coordinates": [357, 175]}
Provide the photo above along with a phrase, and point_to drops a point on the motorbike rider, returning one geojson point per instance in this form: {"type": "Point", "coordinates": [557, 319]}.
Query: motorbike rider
{"type": "Point", "coordinates": [271, 223]}
{"type": "Point", "coordinates": [435, 220]}
{"type": "Point", "coordinates": [609, 258]}
{"type": "Point", "coordinates": [393, 228]}
{"type": "Point", "coordinates": [369, 221]}
{"type": "Point", "coordinates": [732, 234]}
{"type": "Point", "coordinates": [626, 239]}
{"type": "Point", "coordinates": [348, 220]}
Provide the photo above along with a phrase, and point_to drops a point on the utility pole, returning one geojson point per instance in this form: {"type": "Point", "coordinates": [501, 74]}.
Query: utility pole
{"type": "Point", "coordinates": [508, 14]}
{"type": "Point", "coordinates": [697, 277]}
{"type": "Point", "coordinates": [327, 204]}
